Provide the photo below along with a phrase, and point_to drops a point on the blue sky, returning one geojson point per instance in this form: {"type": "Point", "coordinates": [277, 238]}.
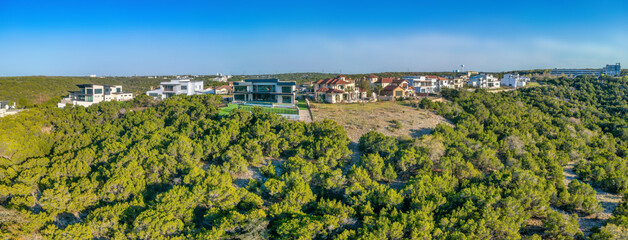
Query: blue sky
{"type": "Point", "coordinates": [251, 37]}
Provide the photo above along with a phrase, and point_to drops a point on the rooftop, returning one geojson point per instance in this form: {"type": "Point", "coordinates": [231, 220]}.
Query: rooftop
{"type": "Point", "coordinates": [266, 80]}
{"type": "Point", "coordinates": [332, 81]}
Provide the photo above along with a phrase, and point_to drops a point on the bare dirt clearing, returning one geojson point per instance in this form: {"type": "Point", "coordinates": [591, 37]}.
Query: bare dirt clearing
{"type": "Point", "coordinates": [359, 118]}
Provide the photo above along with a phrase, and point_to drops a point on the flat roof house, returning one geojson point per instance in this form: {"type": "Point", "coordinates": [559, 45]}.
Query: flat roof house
{"type": "Point", "coordinates": [177, 87]}
{"type": "Point", "coordinates": [265, 91]}
{"type": "Point", "coordinates": [94, 93]}
{"type": "Point", "coordinates": [514, 80]}
{"type": "Point", "coordinates": [484, 81]}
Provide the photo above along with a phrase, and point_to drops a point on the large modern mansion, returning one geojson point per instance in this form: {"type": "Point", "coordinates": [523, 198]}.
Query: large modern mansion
{"type": "Point", "coordinates": [94, 93]}
{"type": "Point", "coordinates": [484, 81]}
{"type": "Point", "coordinates": [177, 87]}
{"type": "Point", "coordinates": [514, 80]}
{"type": "Point", "coordinates": [265, 91]}
{"type": "Point", "coordinates": [613, 70]}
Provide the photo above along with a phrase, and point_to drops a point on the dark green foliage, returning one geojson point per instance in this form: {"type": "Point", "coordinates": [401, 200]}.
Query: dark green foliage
{"type": "Point", "coordinates": [179, 169]}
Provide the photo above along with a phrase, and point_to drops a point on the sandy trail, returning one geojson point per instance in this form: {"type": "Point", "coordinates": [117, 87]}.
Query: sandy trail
{"type": "Point", "coordinates": [609, 202]}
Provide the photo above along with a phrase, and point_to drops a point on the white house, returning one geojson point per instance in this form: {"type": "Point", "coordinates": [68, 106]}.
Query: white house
{"type": "Point", "coordinates": [94, 93]}
{"type": "Point", "coordinates": [423, 84]}
{"type": "Point", "coordinates": [177, 87]}
{"type": "Point", "coordinates": [484, 81]}
{"type": "Point", "coordinates": [514, 80]}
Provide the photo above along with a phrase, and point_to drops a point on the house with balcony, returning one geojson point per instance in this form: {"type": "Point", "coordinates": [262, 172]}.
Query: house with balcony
{"type": "Point", "coordinates": [177, 87]}
{"type": "Point", "coordinates": [270, 91]}
{"type": "Point", "coordinates": [484, 81]}
{"type": "Point", "coordinates": [458, 82]}
{"type": "Point", "coordinates": [89, 94]}
{"type": "Point", "coordinates": [337, 90]}
{"type": "Point", "coordinates": [423, 84]}
{"type": "Point", "coordinates": [514, 80]}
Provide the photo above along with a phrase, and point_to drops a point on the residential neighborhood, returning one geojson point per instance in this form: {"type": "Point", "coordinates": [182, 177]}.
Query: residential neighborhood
{"type": "Point", "coordinates": [282, 97]}
{"type": "Point", "coordinates": [337, 90]}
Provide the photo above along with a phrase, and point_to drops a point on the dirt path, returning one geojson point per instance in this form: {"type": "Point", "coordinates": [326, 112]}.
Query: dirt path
{"type": "Point", "coordinates": [304, 116]}
{"type": "Point", "coordinates": [608, 201]}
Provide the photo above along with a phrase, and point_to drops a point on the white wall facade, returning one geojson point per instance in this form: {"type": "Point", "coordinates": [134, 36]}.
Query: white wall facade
{"type": "Point", "coordinates": [514, 80]}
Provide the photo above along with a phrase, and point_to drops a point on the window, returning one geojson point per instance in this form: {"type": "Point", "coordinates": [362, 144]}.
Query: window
{"type": "Point", "coordinates": [168, 88]}
{"type": "Point", "coordinates": [89, 98]}
{"type": "Point", "coordinates": [89, 91]}
{"type": "Point", "coordinates": [264, 88]}
{"type": "Point", "coordinates": [184, 87]}
{"type": "Point", "coordinates": [118, 89]}
{"type": "Point", "coordinates": [239, 97]}
{"type": "Point", "coordinates": [286, 89]}
{"type": "Point", "coordinates": [286, 99]}
{"type": "Point", "coordinates": [240, 89]}
{"type": "Point", "coordinates": [398, 93]}
{"type": "Point", "coordinates": [98, 91]}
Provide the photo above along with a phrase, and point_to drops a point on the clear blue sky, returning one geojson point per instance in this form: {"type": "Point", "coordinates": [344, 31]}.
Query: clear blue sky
{"type": "Point", "coordinates": [250, 37]}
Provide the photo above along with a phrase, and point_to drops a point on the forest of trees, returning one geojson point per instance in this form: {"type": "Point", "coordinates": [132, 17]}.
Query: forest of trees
{"type": "Point", "coordinates": [178, 170]}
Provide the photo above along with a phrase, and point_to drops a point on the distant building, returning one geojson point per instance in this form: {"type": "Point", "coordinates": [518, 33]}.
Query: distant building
{"type": "Point", "coordinates": [223, 90]}
{"type": "Point", "coordinates": [398, 88]}
{"type": "Point", "coordinates": [264, 91]}
{"type": "Point", "coordinates": [612, 70]}
{"type": "Point", "coordinates": [95, 93]}
{"type": "Point", "coordinates": [383, 82]}
{"type": "Point", "coordinates": [423, 84]}
{"type": "Point", "coordinates": [221, 78]}
{"type": "Point", "coordinates": [458, 82]}
{"type": "Point", "coordinates": [177, 87]}
{"type": "Point", "coordinates": [7, 109]}
{"type": "Point", "coordinates": [338, 89]}
{"type": "Point", "coordinates": [6, 105]}
{"type": "Point", "coordinates": [514, 80]}
{"type": "Point", "coordinates": [609, 70]}
{"type": "Point", "coordinates": [208, 91]}
{"type": "Point", "coordinates": [372, 79]}
{"type": "Point", "coordinates": [484, 81]}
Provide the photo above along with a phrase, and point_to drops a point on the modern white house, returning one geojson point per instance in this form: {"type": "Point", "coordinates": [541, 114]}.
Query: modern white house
{"type": "Point", "coordinates": [94, 93]}
{"type": "Point", "coordinates": [514, 80]}
{"type": "Point", "coordinates": [264, 91]}
{"type": "Point", "coordinates": [177, 87]}
{"type": "Point", "coordinates": [423, 84]}
{"type": "Point", "coordinates": [484, 81]}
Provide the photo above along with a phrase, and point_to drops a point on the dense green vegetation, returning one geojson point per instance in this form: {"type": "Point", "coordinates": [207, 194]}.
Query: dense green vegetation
{"type": "Point", "coordinates": [179, 169]}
